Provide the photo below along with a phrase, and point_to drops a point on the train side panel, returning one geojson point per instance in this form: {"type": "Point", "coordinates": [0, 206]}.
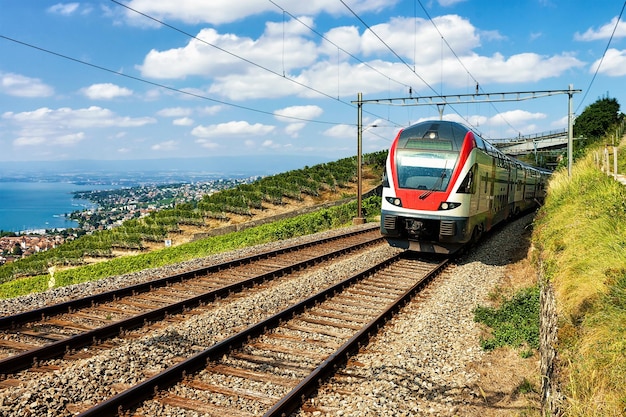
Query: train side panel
{"type": "Point", "coordinates": [444, 186]}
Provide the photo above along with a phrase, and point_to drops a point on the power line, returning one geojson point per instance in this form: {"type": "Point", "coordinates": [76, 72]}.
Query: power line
{"type": "Point", "coordinates": [337, 46]}
{"type": "Point", "coordinates": [387, 46]}
{"type": "Point", "coordinates": [402, 60]}
{"type": "Point", "coordinates": [235, 55]}
{"type": "Point", "coordinates": [619, 19]}
{"type": "Point", "coordinates": [443, 38]}
{"type": "Point", "coordinates": [121, 74]}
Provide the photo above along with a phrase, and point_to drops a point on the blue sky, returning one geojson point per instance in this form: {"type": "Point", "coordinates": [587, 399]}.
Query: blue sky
{"type": "Point", "coordinates": [97, 80]}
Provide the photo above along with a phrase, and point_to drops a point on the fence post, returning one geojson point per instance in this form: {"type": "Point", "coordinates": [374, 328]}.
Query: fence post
{"type": "Point", "coordinates": [615, 161]}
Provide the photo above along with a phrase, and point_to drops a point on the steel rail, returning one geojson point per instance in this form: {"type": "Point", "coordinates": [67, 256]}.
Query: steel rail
{"type": "Point", "coordinates": [132, 397]}
{"type": "Point", "coordinates": [29, 358]}
{"type": "Point", "coordinates": [18, 319]}
{"type": "Point", "coordinates": [295, 398]}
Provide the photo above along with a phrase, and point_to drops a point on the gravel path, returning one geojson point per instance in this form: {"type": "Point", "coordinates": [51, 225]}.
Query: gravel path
{"type": "Point", "coordinates": [417, 365]}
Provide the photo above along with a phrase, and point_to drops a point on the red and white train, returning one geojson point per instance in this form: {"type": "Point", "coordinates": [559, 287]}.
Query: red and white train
{"type": "Point", "coordinates": [445, 186]}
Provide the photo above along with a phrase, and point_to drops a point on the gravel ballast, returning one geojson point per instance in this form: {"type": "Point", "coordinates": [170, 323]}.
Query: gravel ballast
{"type": "Point", "coordinates": [418, 364]}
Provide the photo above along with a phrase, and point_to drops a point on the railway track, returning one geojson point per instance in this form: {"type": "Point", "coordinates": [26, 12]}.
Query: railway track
{"type": "Point", "coordinates": [272, 366]}
{"type": "Point", "coordinates": [29, 339]}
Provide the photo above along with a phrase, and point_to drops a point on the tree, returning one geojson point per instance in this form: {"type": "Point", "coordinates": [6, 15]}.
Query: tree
{"type": "Point", "coordinates": [597, 118]}
{"type": "Point", "coordinates": [17, 250]}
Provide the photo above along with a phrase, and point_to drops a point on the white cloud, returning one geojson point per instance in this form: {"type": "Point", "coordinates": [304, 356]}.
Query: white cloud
{"type": "Point", "coordinates": [240, 128]}
{"type": "Point", "coordinates": [614, 63]}
{"type": "Point", "coordinates": [64, 9]}
{"type": "Point", "coordinates": [200, 57]}
{"type": "Point", "coordinates": [169, 145]}
{"type": "Point", "coordinates": [226, 11]}
{"type": "Point", "coordinates": [449, 3]}
{"type": "Point", "coordinates": [604, 32]}
{"type": "Point", "coordinates": [183, 121]}
{"type": "Point", "coordinates": [174, 112]}
{"type": "Point", "coordinates": [106, 91]}
{"type": "Point", "coordinates": [29, 141]}
{"type": "Point", "coordinates": [298, 112]}
{"type": "Point", "coordinates": [22, 86]}
{"type": "Point", "coordinates": [295, 61]}
{"type": "Point", "coordinates": [524, 67]}
{"type": "Point", "coordinates": [92, 117]}
{"type": "Point", "coordinates": [63, 140]}
{"type": "Point", "coordinates": [210, 110]}
{"type": "Point", "coordinates": [341, 131]}
{"type": "Point", "coordinates": [70, 139]}
{"type": "Point", "coordinates": [66, 126]}
{"type": "Point", "coordinates": [205, 143]}
{"type": "Point", "coordinates": [458, 31]}
{"type": "Point", "coordinates": [514, 117]}
{"type": "Point", "coordinates": [293, 129]}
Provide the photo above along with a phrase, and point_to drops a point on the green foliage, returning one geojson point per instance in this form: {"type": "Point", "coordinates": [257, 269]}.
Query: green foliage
{"type": "Point", "coordinates": [155, 227]}
{"type": "Point", "coordinates": [581, 233]}
{"type": "Point", "coordinates": [515, 323]}
{"type": "Point", "coordinates": [301, 225]}
{"type": "Point", "coordinates": [597, 118]}
{"type": "Point", "coordinates": [525, 387]}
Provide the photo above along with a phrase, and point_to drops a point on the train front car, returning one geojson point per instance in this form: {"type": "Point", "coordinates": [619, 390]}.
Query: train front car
{"type": "Point", "coordinates": [429, 181]}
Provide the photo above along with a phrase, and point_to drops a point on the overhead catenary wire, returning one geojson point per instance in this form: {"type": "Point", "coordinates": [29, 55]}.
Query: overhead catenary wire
{"type": "Point", "coordinates": [283, 76]}
{"type": "Point", "coordinates": [478, 87]}
{"type": "Point", "coordinates": [348, 53]}
{"type": "Point", "coordinates": [619, 19]}
{"type": "Point", "coordinates": [412, 70]}
{"type": "Point", "coordinates": [166, 87]}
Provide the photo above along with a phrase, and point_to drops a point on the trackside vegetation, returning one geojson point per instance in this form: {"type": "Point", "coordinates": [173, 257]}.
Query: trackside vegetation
{"type": "Point", "coordinates": [68, 261]}
{"type": "Point", "coordinates": [579, 240]}
{"type": "Point", "coordinates": [580, 234]}
{"type": "Point", "coordinates": [514, 323]}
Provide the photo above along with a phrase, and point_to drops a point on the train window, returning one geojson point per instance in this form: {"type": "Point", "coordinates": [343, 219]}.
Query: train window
{"type": "Point", "coordinates": [437, 145]}
{"type": "Point", "coordinates": [479, 142]}
{"type": "Point", "coordinates": [425, 170]}
{"type": "Point", "coordinates": [439, 135]}
{"type": "Point", "coordinates": [467, 186]}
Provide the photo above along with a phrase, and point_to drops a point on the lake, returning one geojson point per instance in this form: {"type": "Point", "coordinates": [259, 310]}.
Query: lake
{"type": "Point", "coordinates": [39, 205]}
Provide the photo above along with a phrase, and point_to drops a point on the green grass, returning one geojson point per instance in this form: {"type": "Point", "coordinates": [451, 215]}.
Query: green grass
{"type": "Point", "coordinates": [515, 323]}
{"type": "Point", "coordinates": [298, 226]}
{"type": "Point", "coordinates": [581, 236]}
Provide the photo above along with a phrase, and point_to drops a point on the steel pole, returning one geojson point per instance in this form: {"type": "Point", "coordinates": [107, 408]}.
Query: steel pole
{"type": "Point", "coordinates": [359, 138]}
{"type": "Point", "coordinates": [570, 132]}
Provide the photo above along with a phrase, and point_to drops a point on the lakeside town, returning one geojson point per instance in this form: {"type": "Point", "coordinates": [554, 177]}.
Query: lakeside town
{"type": "Point", "coordinates": [113, 208]}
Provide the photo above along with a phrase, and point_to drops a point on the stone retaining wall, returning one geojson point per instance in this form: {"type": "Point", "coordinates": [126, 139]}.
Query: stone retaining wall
{"type": "Point", "coordinates": [551, 398]}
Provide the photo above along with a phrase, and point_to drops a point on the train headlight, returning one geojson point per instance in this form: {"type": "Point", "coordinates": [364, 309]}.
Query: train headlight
{"type": "Point", "coordinates": [394, 200]}
{"type": "Point", "coordinates": [446, 205]}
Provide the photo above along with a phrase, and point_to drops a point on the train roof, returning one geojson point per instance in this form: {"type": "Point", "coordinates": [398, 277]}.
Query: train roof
{"type": "Point", "coordinates": [445, 135]}
{"type": "Point", "coordinates": [440, 133]}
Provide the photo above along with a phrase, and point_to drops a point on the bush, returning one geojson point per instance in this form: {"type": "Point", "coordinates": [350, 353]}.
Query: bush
{"type": "Point", "coordinates": [515, 323]}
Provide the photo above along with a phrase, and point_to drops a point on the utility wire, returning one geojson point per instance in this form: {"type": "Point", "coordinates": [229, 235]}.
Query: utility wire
{"type": "Point", "coordinates": [402, 60]}
{"type": "Point", "coordinates": [121, 74]}
{"type": "Point", "coordinates": [337, 46]}
{"type": "Point", "coordinates": [461, 62]}
{"type": "Point", "coordinates": [387, 46]}
{"type": "Point", "coordinates": [235, 55]}
{"type": "Point", "coordinates": [619, 19]}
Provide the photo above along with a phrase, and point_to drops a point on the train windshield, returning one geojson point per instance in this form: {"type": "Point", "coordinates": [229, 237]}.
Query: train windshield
{"type": "Point", "coordinates": [427, 154]}
{"type": "Point", "coordinates": [425, 170]}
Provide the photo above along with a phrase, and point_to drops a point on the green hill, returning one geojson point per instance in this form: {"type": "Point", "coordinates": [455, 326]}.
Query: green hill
{"type": "Point", "coordinates": [96, 255]}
